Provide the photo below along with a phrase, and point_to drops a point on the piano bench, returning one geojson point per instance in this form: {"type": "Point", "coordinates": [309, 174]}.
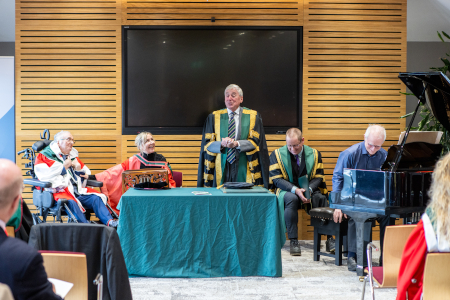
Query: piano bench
{"type": "Point", "coordinates": [322, 221]}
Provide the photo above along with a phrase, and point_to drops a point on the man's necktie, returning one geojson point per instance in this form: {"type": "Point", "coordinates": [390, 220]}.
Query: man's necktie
{"type": "Point", "coordinates": [297, 159]}
{"type": "Point", "coordinates": [231, 154]}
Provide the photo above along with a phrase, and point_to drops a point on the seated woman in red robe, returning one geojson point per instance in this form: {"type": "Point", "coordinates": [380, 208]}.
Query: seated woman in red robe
{"type": "Point", "coordinates": [432, 234]}
{"type": "Point", "coordinates": [112, 178]}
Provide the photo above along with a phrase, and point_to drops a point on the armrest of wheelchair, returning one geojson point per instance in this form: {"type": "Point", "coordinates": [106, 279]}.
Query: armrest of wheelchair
{"type": "Point", "coordinates": [37, 182]}
{"type": "Point", "coordinates": [94, 183]}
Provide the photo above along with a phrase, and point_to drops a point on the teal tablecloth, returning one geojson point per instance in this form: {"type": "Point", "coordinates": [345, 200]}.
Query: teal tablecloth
{"type": "Point", "coordinates": [174, 233]}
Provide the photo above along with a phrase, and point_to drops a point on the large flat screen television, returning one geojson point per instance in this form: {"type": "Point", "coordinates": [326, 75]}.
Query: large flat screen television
{"type": "Point", "coordinates": [173, 77]}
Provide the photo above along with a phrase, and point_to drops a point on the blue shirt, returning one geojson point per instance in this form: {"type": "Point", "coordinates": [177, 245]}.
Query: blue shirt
{"type": "Point", "coordinates": [356, 157]}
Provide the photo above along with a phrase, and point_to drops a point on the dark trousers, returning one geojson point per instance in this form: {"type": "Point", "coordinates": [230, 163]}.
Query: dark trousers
{"type": "Point", "coordinates": [351, 233]}
{"type": "Point", "coordinates": [291, 206]}
{"type": "Point", "coordinates": [231, 171]}
{"type": "Point", "coordinates": [95, 203]}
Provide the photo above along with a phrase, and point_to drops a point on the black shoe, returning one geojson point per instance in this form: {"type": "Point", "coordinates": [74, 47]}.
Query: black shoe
{"type": "Point", "coordinates": [113, 223]}
{"type": "Point", "coordinates": [351, 264]}
{"type": "Point", "coordinates": [330, 245]}
{"type": "Point", "coordinates": [294, 248]}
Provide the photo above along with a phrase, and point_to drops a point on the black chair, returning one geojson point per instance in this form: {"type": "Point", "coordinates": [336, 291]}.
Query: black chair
{"type": "Point", "coordinates": [322, 220]}
{"type": "Point", "coordinates": [43, 200]}
{"type": "Point", "coordinates": [101, 245]}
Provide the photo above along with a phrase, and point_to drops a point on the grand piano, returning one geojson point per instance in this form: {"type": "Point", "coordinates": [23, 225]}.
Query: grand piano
{"type": "Point", "coordinates": [400, 188]}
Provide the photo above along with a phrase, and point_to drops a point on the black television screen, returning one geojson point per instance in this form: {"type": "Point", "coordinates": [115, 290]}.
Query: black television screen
{"type": "Point", "coordinates": [174, 77]}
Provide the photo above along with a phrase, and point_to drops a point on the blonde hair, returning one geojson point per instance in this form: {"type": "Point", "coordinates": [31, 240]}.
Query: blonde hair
{"type": "Point", "coordinates": [141, 139]}
{"type": "Point", "coordinates": [440, 197]}
{"type": "Point", "coordinates": [294, 132]}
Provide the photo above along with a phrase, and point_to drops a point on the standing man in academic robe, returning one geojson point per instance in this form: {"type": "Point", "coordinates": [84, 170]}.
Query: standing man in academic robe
{"type": "Point", "coordinates": [287, 165]}
{"type": "Point", "coordinates": [233, 145]}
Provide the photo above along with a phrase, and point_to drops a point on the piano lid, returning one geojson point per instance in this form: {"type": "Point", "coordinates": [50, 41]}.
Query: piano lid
{"type": "Point", "coordinates": [416, 155]}
{"type": "Point", "coordinates": [436, 95]}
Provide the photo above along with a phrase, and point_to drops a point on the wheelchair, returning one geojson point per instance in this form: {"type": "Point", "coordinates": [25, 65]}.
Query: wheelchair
{"type": "Point", "coordinates": [42, 199]}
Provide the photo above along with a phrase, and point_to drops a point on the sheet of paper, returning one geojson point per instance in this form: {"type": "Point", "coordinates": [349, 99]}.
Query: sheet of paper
{"type": "Point", "coordinates": [201, 193]}
{"type": "Point", "coordinates": [61, 287]}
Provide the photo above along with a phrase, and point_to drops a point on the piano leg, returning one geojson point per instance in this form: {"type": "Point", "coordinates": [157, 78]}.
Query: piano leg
{"type": "Point", "coordinates": [362, 239]}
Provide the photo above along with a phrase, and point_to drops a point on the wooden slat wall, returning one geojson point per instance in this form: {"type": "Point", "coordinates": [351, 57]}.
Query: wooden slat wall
{"type": "Point", "coordinates": [68, 76]}
{"type": "Point", "coordinates": [68, 71]}
{"type": "Point", "coordinates": [225, 12]}
{"type": "Point", "coordinates": [353, 52]}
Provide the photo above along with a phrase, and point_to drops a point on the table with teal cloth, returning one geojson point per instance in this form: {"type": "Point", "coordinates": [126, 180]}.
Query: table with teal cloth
{"type": "Point", "coordinates": [174, 233]}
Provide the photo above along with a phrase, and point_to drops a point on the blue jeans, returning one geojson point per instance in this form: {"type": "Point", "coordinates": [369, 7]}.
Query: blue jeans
{"type": "Point", "coordinates": [93, 202]}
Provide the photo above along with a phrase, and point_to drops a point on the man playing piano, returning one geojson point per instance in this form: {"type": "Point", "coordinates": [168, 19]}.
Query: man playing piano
{"type": "Point", "coordinates": [287, 165]}
{"type": "Point", "coordinates": [367, 155]}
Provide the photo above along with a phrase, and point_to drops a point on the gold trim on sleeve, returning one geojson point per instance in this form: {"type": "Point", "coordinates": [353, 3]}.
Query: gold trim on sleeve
{"type": "Point", "coordinates": [274, 167]}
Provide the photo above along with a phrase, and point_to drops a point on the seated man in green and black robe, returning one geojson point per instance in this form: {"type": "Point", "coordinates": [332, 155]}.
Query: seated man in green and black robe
{"type": "Point", "coordinates": [287, 165]}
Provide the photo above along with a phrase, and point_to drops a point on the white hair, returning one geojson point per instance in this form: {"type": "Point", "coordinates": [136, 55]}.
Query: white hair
{"type": "Point", "coordinates": [234, 87]}
{"type": "Point", "coordinates": [141, 139]}
{"type": "Point", "coordinates": [60, 135]}
{"type": "Point", "coordinates": [378, 129]}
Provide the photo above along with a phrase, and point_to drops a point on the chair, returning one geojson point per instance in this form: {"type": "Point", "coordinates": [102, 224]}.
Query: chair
{"type": "Point", "coordinates": [43, 200]}
{"type": "Point", "coordinates": [178, 177]}
{"type": "Point", "coordinates": [101, 246]}
{"type": "Point", "coordinates": [70, 267]}
{"type": "Point", "coordinates": [436, 277]}
{"type": "Point", "coordinates": [5, 292]}
{"type": "Point", "coordinates": [386, 276]}
{"type": "Point", "coordinates": [322, 221]}
{"type": "Point", "coordinates": [10, 231]}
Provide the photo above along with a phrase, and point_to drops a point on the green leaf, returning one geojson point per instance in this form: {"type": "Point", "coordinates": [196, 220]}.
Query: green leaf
{"type": "Point", "coordinates": [439, 35]}
{"type": "Point", "coordinates": [407, 115]}
{"type": "Point", "coordinates": [446, 35]}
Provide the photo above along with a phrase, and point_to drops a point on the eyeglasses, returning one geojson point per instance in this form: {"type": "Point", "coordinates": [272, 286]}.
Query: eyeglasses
{"type": "Point", "coordinates": [70, 140]}
{"type": "Point", "coordinates": [293, 146]}
{"type": "Point", "coordinates": [374, 146]}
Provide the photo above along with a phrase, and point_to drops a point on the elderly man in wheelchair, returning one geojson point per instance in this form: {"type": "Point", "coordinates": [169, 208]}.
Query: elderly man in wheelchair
{"type": "Point", "coordinates": [58, 164]}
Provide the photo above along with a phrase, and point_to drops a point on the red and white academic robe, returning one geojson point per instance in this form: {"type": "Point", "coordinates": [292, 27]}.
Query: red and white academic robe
{"type": "Point", "coordinates": [422, 240]}
{"type": "Point", "coordinates": [49, 167]}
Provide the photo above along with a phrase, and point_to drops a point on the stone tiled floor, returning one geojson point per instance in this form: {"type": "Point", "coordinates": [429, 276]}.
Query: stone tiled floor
{"type": "Point", "coordinates": [302, 278]}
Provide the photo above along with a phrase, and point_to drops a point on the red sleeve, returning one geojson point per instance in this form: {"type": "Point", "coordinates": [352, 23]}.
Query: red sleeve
{"type": "Point", "coordinates": [126, 165]}
{"type": "Point", "coordinates": [412, 265]}
{"type": "Point", "coordinates": [81, 163]}
{"type": "Point", "coordinates": [42, 159]}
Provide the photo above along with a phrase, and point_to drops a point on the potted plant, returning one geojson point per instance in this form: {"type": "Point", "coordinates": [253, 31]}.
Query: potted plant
{"type": "Point", "coordinates": [429, 122]}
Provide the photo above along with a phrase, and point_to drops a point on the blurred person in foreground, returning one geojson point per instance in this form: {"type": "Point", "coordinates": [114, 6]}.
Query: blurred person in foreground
{"type": "Point", "coordinates": [432, 234]}
{"type": "Point", "coordinates": [21, 266]}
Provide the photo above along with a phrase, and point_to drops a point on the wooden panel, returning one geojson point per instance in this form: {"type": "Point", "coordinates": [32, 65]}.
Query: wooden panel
{"type": "Point", "coordinates": [68, 78]}
{"type": "Point", "coordinates": [224, 12]}
{"type": "Point", "coordinates": [64, 12]}
{"type": "Point", "coordinates": [353, 53]}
